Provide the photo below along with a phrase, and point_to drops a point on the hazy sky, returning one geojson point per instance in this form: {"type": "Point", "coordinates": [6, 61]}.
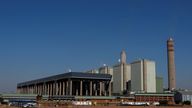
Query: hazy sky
{"type": "Point", "coordinates": [39, 38]}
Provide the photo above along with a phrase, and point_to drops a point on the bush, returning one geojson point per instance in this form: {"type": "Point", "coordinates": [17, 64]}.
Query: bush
{"type": "Point", "coordinates": [187, 103]}
{"type": "Point", "coordinates": [1, 100]}
{"type": "Point", "coordinates": [178, 102]}
{"type": "Point", "coordinates": [163, 102]}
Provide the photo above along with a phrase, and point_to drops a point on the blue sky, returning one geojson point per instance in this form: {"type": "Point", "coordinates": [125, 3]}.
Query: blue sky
{"type": "Point", "coordinates": [39, 38]}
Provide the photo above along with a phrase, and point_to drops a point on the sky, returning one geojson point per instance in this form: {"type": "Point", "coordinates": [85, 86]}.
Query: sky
{"type": "Point", "coordinates": [40, 38]}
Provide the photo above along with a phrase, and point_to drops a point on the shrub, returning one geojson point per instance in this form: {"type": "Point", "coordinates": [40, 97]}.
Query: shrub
{"type": "Point", "coordinates": [1, 100]}
{"type": "Point", "coordinates": [163, 102]}
{"type": "Point", "coordinates": [187, 103]}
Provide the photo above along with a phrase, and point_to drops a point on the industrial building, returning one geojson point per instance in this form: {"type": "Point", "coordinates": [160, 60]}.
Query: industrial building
{"type": "Point", "coordinates": [138, 77]}
{"type": "Point", "coordinates": [121, 76]}
{"type": "Point", "coordinates": [182, 96]}
{"type": "Point", "coordinates": [143, 76]}
{"type": "Point", "coordinates": [159, 84]}
{"type": "Point", "coordinates": [69, 84]}
{"type": "Point", "coordinates": [154, 97]}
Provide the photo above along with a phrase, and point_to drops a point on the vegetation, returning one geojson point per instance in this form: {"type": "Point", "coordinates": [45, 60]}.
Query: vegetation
{"type": "Point", "coordinates": [1, 100]}
{"type": "Point", "coordinates": [178, 102]}
{"type": "Point", "coordinates": [163, 102]}
{"type": "Point", "coordinates": [187, 103]}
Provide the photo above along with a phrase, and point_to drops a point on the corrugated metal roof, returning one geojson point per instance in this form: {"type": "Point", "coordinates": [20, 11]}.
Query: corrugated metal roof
{"type": "Point", "coordinates": [185, 92]}
{"type": "Point", "coordinates": [95, 97]}
{"type": "Point", "coordinates": [154, 94]}
{"type": "Point", "coordinates": [20, 96]}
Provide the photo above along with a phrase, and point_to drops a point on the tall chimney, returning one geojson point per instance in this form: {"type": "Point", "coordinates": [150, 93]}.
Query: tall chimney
{"type": "Point", "coordinates": [123, 57]}
{"type": "Point", "coordinates": [171, 64]}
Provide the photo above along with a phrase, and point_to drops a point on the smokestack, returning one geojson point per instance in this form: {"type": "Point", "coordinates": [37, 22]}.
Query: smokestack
{"type": "Point", "coordinates": [123, 57]}
{"type": "Point", "coordinates": [171, 64]}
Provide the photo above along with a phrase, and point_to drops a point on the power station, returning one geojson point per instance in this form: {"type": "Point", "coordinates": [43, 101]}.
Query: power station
{"type": "Point", "coordinates": [123, 79]}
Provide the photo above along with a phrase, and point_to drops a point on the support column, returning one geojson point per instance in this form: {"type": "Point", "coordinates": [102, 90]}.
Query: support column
{"type": "Point", "coordinates": [81, 88]}
{"type": "Point", "coordinates": [60, 88]}
{"type": "Point", "coordinates": [77, 92]}
{"type": "Point", "coordinates": [30, 90]}
{"type": "Point", "coordinates": [91, 88]}
{"type": "Point", "coordinates": [96, 89]}
{"type": "Point", "coordinates": [35, 89]}
{"type": "Point", "coordinates": [64, 88]}
{"type": "Point", "coordinates": [70, 87]}
{"type": "Point", "coordinates": [40, 89]}
{"type": "Point", "coordinates": [67, 88]}
{"type": "Point", "coordinates": [27, 89]}
{"type": "Point", "coordinates": [54, 88]}
{"type": "Point", "coordinates": [57, 88]}
{"type": "Point", "coordinates": [48, 90]}
{"type": "Point", "coordinates": [51, 89]}
{"type": "Point", "coordinates": [100, 88]}
{"type": "Point", "coordinates": [109, 89]}
{"type": "Point", "coordinates": [44, 88]}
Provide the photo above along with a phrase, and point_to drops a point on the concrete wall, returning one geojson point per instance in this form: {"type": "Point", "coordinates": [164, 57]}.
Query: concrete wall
{"type": "Point", "coordinates": [137, 76]}
{"type": "Point", "coordinates": [118, 79]}
{"type": "Point", "coordinates": [151, 76]}
{"type": "Point", "coordinates": [126, 76]}
{"type": "Point", "coordinates": [143, 76]}
{"type": "Point", "coordinates": [159, 84]}
{"type": "Point", "coordinates": [121, 75]}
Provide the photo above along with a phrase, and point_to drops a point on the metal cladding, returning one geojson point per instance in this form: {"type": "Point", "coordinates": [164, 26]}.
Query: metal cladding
{"type": "Point", "coordinates": [171, 64]}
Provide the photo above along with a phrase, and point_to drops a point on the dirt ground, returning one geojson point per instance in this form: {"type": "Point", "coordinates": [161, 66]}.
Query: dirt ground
{"type": "Point", "coordinates": [3, 106]}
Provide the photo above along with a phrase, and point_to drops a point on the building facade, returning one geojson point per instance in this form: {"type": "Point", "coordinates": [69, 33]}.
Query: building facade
{"type": "Point", "coordinates": [143, 76]}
